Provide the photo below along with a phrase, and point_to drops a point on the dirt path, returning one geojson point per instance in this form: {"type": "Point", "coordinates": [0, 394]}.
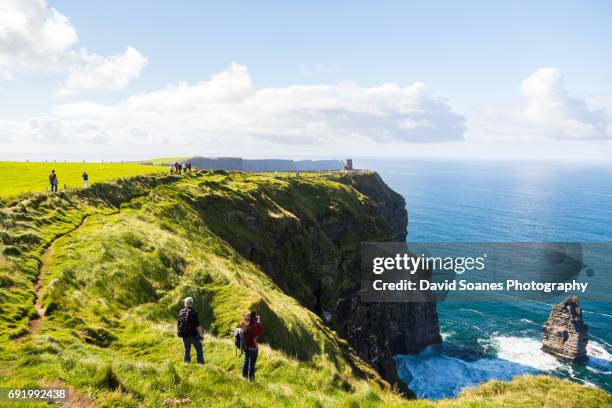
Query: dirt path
{"type": "Point", "coordinates": [75, 398]}
{"type": "Point", "coordinates": [78, 400]}
{"type": "Point", "coordinates": [35, 324]}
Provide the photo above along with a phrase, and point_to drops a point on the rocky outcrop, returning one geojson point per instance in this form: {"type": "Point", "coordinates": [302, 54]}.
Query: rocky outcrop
{"type": "Point", "coordinates": [565, 335]}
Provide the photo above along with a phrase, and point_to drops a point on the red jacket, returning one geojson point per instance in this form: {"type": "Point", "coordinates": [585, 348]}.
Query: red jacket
{"type": "Point", "coordinates": [251, 336]}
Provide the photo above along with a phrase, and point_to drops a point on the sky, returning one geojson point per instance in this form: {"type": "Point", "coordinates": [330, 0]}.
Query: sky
{"type": "Point", "coordinates": [486, 80]}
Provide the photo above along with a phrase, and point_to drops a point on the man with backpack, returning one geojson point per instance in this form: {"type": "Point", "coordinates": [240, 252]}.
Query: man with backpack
{"type": "Point", "coordinates": [188, 327]}
{"type": "Point", "coordinates": [53, 181]}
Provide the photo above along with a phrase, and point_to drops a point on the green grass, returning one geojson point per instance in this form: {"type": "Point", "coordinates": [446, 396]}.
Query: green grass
{"type": "Point", "coordinates": [18, 178]}
{"type": "Point", "coordinates": [125, 253]}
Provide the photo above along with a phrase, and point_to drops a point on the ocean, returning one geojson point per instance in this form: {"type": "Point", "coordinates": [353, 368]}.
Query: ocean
{"type": "Point", "coordinates": [452, 201]}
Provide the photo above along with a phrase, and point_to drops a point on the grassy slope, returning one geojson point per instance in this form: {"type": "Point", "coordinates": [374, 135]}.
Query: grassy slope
{"type": "Point", "coordinates": [19, 178]}
{"type": "Point", "coordinates": [113, 286]}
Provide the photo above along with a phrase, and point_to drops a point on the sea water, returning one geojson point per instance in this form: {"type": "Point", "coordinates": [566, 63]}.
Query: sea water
{"type": "Point", "coordinates": [502, 202]}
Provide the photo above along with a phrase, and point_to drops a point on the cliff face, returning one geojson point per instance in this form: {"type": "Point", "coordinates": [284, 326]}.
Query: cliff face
{"type": "Point", "coordinates": [313, 254]}
{"type": "Point", "coordinates": [379, 330]}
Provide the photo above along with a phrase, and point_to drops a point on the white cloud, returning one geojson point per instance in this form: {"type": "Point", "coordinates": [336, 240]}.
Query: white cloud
{"type": "Point", "coordinates": [229, 110]}
{"type": "Point", "coordinates": [99, 73]}
{"type": "Point", "coordinates": [549, 113]}
{"type": "Point", "coordinates": [551, 109]}
{"type": "Point", "coordinates": [32, 35]}
{"type": "Point", "coordinates": [36, 37]}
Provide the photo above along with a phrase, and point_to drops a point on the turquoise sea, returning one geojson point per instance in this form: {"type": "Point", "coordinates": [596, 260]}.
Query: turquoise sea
{"type": "Point", "coordinates": [502, 202]}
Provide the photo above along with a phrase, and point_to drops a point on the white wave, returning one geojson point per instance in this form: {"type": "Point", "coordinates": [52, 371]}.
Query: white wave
{"type": "Point", "coordinates": [600, 360]}
{"type": "Point", "coordinates": [527, 321]}
{"type": "Point", "coordinates": [471, 311]}
{"type": "Point", "coordinates": [451, 374]}
{"type": "Point", "coordinates": [515, 356]}
{"type": "Point", "coordinates": [446, 335]}
{"type": "Point", "coordinates": [600, 340]}
{"type": "Point", "coordinates": [597, 313]}
{"type": "Point", "coordinates": [597, 350]}
{"type": "Point", "coordinates": [525, 351]}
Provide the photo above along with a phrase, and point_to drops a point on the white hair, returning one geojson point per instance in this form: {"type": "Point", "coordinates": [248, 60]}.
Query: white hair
{"type": "Point", "coordinates": [188, 301]}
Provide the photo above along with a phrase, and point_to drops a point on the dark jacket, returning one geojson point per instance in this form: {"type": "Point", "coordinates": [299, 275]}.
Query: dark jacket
{"type": "Point", "coordinates": [193, 320]}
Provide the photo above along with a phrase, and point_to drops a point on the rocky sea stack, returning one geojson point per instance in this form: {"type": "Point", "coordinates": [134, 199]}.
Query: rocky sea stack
{"type": "Point", "coordinates": [565, 335]}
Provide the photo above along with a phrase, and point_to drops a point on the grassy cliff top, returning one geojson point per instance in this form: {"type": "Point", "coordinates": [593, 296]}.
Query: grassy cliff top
{"type": "Point", "coordinates": [19, 178]}
{"type": "Point", "coordinates": [106, 269]}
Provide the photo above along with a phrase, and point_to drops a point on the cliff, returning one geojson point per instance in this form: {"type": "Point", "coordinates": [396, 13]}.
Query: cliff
{"type": "Point", "coordinates": [314, 256]}
{"type": "Point", "coordinates": [91, 282]}
{"type": "Point", "coordinates": [262, 165]}
{"type": "Point", "coordinates": [302, 232]}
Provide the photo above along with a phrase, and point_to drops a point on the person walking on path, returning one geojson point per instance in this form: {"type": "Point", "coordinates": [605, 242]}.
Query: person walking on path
{"type": "Point", "coordinates": [188, 327]}
{"type": "Point", "coordinates": [251, 328]}
{"type": "Point", "coordinates": [53, 181]}
{"type": "Point", "coordinates": [85, 180]}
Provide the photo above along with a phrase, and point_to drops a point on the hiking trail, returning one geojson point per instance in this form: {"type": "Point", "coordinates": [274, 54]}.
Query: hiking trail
{"type": "Point", "coordinates": [35, 323]}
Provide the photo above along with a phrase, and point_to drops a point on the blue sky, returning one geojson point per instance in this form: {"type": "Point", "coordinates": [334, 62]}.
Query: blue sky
{"type": "Point", "coordinates": [477, 54]}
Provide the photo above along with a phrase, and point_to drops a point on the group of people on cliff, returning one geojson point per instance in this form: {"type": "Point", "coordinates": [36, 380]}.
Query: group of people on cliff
{"type": "Point", "coordinates": [54, 181]}
{"type": "Point", "coordinates": [179, 168]}
{"type": "Point", "coordinates": [246, 335]}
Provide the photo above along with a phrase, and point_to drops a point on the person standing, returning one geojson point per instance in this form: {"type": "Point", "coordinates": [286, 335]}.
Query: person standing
{"type": "Point", "coordinates": [85, 180]}
{"type": "Point", "coordinates": [53, 181]}
{"type": "Point", "coordinates": [188, 327]}
{"type": "Point", "coordinates": [251, 328]}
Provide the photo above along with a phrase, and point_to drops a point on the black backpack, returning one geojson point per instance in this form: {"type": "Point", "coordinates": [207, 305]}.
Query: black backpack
{"type": "Point", "coordinates": [239, 340]}
{"type": "Point", "coordinates": [183, 327]}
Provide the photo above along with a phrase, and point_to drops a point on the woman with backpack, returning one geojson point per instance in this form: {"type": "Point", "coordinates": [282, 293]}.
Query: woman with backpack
{"type": "Point", "coordinates": [251, 329]}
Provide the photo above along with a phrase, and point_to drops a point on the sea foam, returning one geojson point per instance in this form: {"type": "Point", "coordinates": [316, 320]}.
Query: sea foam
{"type": "Point", "coordinates": [435, 374]}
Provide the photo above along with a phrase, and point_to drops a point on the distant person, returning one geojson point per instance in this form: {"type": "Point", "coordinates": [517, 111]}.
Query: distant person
{"type": "Point", "coordinates": [53, 181]}
{"type": "Point", "coordinates": [188, 327]}
{"type": "Point", "coordinates": [171, 169]}
{"type": "Point", "coordinates": [251, 329]}
{"type": "Point", "coordinates": [85, 180]}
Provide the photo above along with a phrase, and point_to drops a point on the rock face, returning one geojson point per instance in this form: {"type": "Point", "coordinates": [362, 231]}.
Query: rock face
{"type": "Point", "coordinates": [377, 331]}
{"type": "Point", "coordinates": [565, 335]}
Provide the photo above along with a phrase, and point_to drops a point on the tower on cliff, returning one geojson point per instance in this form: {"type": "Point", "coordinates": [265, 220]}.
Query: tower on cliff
{"type": "Point", "coordinates": [348, 165]}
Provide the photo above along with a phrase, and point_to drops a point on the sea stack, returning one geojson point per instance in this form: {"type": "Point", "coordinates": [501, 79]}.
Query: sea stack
{"type": "Point", "coordinates": [565, 335]}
